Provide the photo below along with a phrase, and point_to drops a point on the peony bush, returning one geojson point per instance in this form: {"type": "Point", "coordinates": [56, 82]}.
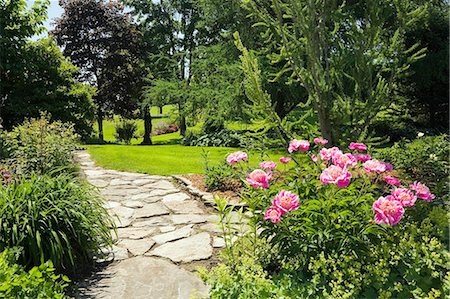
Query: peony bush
{"type": "Point", "coordinates": [323, 205]}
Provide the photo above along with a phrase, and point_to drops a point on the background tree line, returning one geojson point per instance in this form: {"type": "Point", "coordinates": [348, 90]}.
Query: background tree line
{"type": "Point", "coordinates": [358, 68]}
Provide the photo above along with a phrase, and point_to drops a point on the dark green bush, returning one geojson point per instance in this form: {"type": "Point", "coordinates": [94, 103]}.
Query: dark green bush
{"type": "Point", "coordinates": [425, 159]}
{"type": "Point", "coordinates": [125, 130]}
{"type": "Point", "coordinates": [53, 218]}
{"type": "Point", "coordinates": [40, 146]}
{"type": "Point", "coordinates": [213, 125]}
{"type": "Point", "coordinates": [40, 282]}
{"type": "Point", "coordinates": [227, 138]}
{"type": "Point", "coordinates": [221, 177]}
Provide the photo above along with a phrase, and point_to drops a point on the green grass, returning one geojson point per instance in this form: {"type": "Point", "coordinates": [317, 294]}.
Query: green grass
{"type": "Point", "coordinates": [166, 156]}
{"type": "Point", "coordinates": [161, 159]}
{"type": "Point", "coordinates": [168, 116]}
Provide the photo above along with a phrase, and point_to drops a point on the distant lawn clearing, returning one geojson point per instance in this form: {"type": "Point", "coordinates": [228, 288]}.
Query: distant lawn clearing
{"type": "Point", "coordinates": [160, 159]}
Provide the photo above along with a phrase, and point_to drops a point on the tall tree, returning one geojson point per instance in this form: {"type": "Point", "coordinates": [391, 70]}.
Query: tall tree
{"type": "Point", "coordinates": [48, 83]}
{"type": "Point", "coordinates": [171, 35]}
{"type": "Point", "coordinates": [103, 42]}
{"type": "Point", "coordinates": [349, 56]}
{"type": "Point", "coordinates": [17, 25]}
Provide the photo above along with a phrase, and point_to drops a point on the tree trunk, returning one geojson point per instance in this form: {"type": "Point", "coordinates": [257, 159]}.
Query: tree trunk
{"type": "Point", "coordinates": [147, 126]}
{"type": "Point", "coordinates": [160, 109]}
{"type": "Point", "coordinates": [325, 124]}
{"type": "Point", "coordinates": [100, 125]}
{"type": "Point", "coordinates": [182, 121]}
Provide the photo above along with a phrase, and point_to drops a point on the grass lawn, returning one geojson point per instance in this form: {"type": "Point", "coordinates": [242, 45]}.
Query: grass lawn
{"type": "Point", "coordinates": [166, 156]}
{"type": "Point", "coordinates": [161, 159]}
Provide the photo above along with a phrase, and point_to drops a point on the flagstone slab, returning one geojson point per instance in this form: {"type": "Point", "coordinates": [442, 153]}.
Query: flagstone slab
{"type": "Point", "coordinates": [197, 247]}
{"type": "Point", "coordinates": [188, 218]}
{"type": "Point", "coordinates": [145, 277]}
{"type": "Point", "coordinates": [176, 197]}
{"type": "Point", "coordinates": [177, 234]}
{"type": "Point", "coordinates": [136, 247]}
{"type": "Point", "coordinates": [150, 210]}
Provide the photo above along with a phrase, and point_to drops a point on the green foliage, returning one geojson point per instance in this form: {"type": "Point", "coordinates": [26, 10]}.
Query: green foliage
{"type": "Point", "coordinates": [102, 40]}
{"type": "Point", "coordinates": [213, 125]}
{"type": "Point", "coordinates": [247, 280]}
{"type": "Point", "coordinates": [330, 49]}
{"type": "Point", "coordinates": [48, 84]}
{"type": "Point", "coordinates": [424, 159]}
{"type": "Point", "coordinates": [59, 218]}
{"type": "Point", "coordinates": [40, 282]}
{"type": "Point", "coordinates": [220, 177]}
{"type": "Point", "coordinates": [330, 247]}
{"type": "Point", "coordinates": [35, 76]}
{"type": "Point", "coordinates": [41, 146]}
{"type": "Point", "coordinates": [125, 130]}
{"type": "Point", "coordinates": [226, 138]}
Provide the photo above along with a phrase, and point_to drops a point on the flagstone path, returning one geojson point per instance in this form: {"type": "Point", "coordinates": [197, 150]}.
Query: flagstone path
{"type": "Point", "coordinates": [162, 235]}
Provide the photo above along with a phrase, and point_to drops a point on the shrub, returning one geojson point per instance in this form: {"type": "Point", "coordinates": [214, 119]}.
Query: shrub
{"type": "Point", "coordinates": [213, 125]}
{"type": "Point", "coordinates": [226, 138]}
{"type": "Point", "coordinates": [41, 146]}
{"type": "Point", "coordinates": [40, 282]}
{"type": "Point", "coordinates": [337, 225]}
{"type": "Point", "coordinates": [53, 218]}
{"type": "Point", "coordinates": [125, 130]}
{"type": "Point", "coordinates": [424, 159]}
{"type": "Point", "coordinates": [165, 128]}
{"type": "Point", "coordinates": [221, 177]}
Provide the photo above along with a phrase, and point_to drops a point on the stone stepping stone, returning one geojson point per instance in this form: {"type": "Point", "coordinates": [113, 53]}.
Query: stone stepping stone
{"type": "Point", "coordinates": [162, 184]}
{"type": "Point", "coordinates": [141, 182]}
{"type": "Point", "coordinates": [99, 183]}
{"type": "Point", "coordinates": [133, 204]}
{"type": "Point", "coordinates": [188, 218]}
{"type": "Point", "coordinates": [122, 222]}
{"type": "Point", "coordinates": [150, 210]}
{"type": "Point", "coordinates": [186, 250]}
{"type": "Point", "coordinates": [153, 222]}
{"type": "Point", "coordinates": [134, 233]}
{"type": "Point", "coordinates": [147, 277]}
{"type": "Point", "coordinates": [122, 212]}
{"type": "Point", "coordinates": [136, 247]}
{"type": "Point", "coordinates": [184, 207]}
{"type": "Point", "coordinates": [176, 197]}
{"type": "Point", "coordinates": [183, 232]}
{"type": "Point", "coordinates": [119, 182]}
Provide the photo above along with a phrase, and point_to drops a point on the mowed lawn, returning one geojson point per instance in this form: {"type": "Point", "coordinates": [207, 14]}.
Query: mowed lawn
{"type": "Point", "coordinates": [161, 159]}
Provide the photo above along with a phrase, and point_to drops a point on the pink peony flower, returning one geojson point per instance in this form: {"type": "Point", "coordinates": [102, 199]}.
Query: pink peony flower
{"type": "Point", "coordinates": [236, 157]}
{"type": "Point", "coordinates": [295, 145]}
{"type": "Point", "coordinates": [404, 196]}
{"type": "Point", "coordinates": [336, 175]}
{"type": "Point", "coordinates": [392, 181]}
{"type": "Point", "coordinates": [285, 160]}
{"type": "Point", "coordinates": [286, 201]}
{"type": "Point", "coordinates": [327, 153]}
{"type": "Point", "coordinates": [259, 178]}
{"type": "Point", "coordinates": [360, 147]}
{"type": "Point", "coordinates": [273, 214]}
{"type": "Point", "coordinates": [374, 166]}
{"type": "Point", "coordinates": [320, 140]}
{"type": "Point", "coordinates": [314, 158]}
{"type": "Point", "coordinates": [268, 165]}
{"type": "Point", "coordinates": [363, 157]}
{"type": "Point", "coordinates": [389, 166]}
{"type": "Point", "coordinates": [343, 160]}
{"type": "Point", "coordinates": [388, 210]}
{"type": "Point", "coordinates": [422, 191]}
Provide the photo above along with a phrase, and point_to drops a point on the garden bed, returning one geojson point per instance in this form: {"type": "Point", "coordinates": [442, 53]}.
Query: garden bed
{"type": "Point", "coordinates": [195, 185]}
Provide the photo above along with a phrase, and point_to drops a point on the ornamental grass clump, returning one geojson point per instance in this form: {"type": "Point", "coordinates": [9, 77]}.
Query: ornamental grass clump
{"type": "Point", "coordinates": [58, 218]}
{"type": "Point", "coordinates": [340, 207]}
